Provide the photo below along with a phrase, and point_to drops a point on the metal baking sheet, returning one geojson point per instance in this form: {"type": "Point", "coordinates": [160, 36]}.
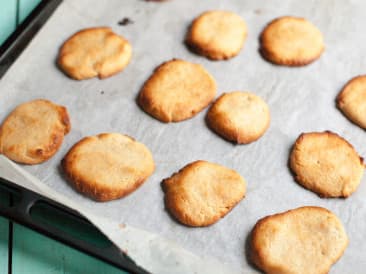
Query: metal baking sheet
{"type": "Point", "coordinates": [300, 100]}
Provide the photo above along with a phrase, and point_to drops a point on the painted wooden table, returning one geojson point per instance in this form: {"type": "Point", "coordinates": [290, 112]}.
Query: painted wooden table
{"type": "Point", "coordinates": [23, 251]}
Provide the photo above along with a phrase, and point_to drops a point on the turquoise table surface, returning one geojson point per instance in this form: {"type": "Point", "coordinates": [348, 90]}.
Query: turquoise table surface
{"type": "Point", "coordinates": [23, 251]}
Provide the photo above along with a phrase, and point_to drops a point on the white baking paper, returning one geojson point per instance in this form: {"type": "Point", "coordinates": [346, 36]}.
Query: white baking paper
{"type": "Point", "coordinates": [300, 100]}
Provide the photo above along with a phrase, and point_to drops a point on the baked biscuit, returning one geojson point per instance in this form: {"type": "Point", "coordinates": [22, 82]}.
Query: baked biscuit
{"type": "Point", "coordinates": [217, 34]}
{"type": "Point", "coordinates": [240, 117]}
{"type": "Point", "coordinates": [326, 164]}
{"type": "Point", "coordinates": [291, 41]}
{"type": "Point", "coordinates": [33, 132]}
{"type": "Point", "coordinates": [108, 166]}
{"type": "Point", "coordinates": [176, 91]}
{"type": "Point", "coordinates": [306, 240]}
{"type": "Point", "coordinates": [352, 100]}
{"type": "Point", "coordinates": [201, 193]}
{"type": "Point", "coordinates": [94, 52]}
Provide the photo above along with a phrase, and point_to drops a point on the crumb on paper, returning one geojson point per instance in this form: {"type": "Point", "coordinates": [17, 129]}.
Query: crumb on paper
{"type": "Point", "coordinates": [258, 11]}
{"type": "Point", "coordinates": [122, 226]}
{"type": "Point", "coordinates": [102, 92]}
{"type": "Point", "coordinates": [125, 21]}
{"type": "Point", "coordinates": [125, 251]}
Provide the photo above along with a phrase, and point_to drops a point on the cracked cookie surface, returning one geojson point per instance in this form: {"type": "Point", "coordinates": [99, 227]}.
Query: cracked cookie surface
{"type": "Point", "coordinates": [34, 131]}
{"type": "Point", "coordinates": [217, 34]}
{"type": "Point", "coordinates": [291, 41]}
{"type": "Point", "coordinates": [94, 52]}
{"type": "Point", "coordinates": [352, 100]}
{"type": "Point", "coordinates": [202, 192]}
{"type": "Point", "coordinates": [240, 117]}
{"type": "Point", "coordinates": [108, 166]}
{"type": "Point", "coordinates": [305, 240]}
{"type": "Point", "coordinates": [177, 90]}
{"type": "Point", "coordinates": [326, 164]}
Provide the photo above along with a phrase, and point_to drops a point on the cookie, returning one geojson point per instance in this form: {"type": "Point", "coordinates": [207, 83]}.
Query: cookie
{"type": "Point", "coordinates": [291, 41]}
{"type": "Point", "coordinates": [201, 193]}
{"type": "Point", "coordinates": [108, 166]}
{"type": "Point", "coordinates": [326, 164]}
{"type": "Point", "coordinates": [94, 52]}
{"type": "Point", "coordinates": [352, 100]}
{"type": "Point", "coordinates": [34, 131]}
{"type": "Point", "coordinates": [176, 91]}
{"type": "Point", "coordinates": [240, 117]}
{"type": "Point", "coordinates": [306, 240]}
{"type": "Point", "coordinates": [217, 34]}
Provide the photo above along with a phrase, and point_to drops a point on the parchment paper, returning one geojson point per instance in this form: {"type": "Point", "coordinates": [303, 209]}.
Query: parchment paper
{"type": "Point", "coordinates": [300, 100]}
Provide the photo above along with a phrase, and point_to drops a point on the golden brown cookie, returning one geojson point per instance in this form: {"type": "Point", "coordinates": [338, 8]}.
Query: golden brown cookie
{"type": "Point", "coordinates": [201, 193]}
{"type": "Point", "coordinates": [352, 100]}
{"type": "Point", "coordinates": [217, 34]}
{"type": "Point", "coordinates": [94, 52]}
{"type": "Point", "coordinates": [240, 117]}
{"type": "Point", "coordinates": [291, 41]}
{"type": "Point", "coordinates": [306, 240]}
{"type": "Point", "coordinates": [176, 91]}
{"type": "Point", "coordinates": [108, 166]}
{"type": "Point", "coordinates": [34, 131]}
{"type": "Point", "coordinates": [326, 164]}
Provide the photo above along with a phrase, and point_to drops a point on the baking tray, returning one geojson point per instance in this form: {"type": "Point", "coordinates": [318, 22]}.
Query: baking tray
{"type": "Point", "coordinates": [21, 201]}
{"type": "Point", "coordinates": [300, 100]}
{"type": "Point", "coordinates": [32, 210]}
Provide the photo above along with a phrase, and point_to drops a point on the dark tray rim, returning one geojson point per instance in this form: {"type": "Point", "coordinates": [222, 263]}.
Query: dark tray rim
{"type": "Point", "coordinates": [23, 34]}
